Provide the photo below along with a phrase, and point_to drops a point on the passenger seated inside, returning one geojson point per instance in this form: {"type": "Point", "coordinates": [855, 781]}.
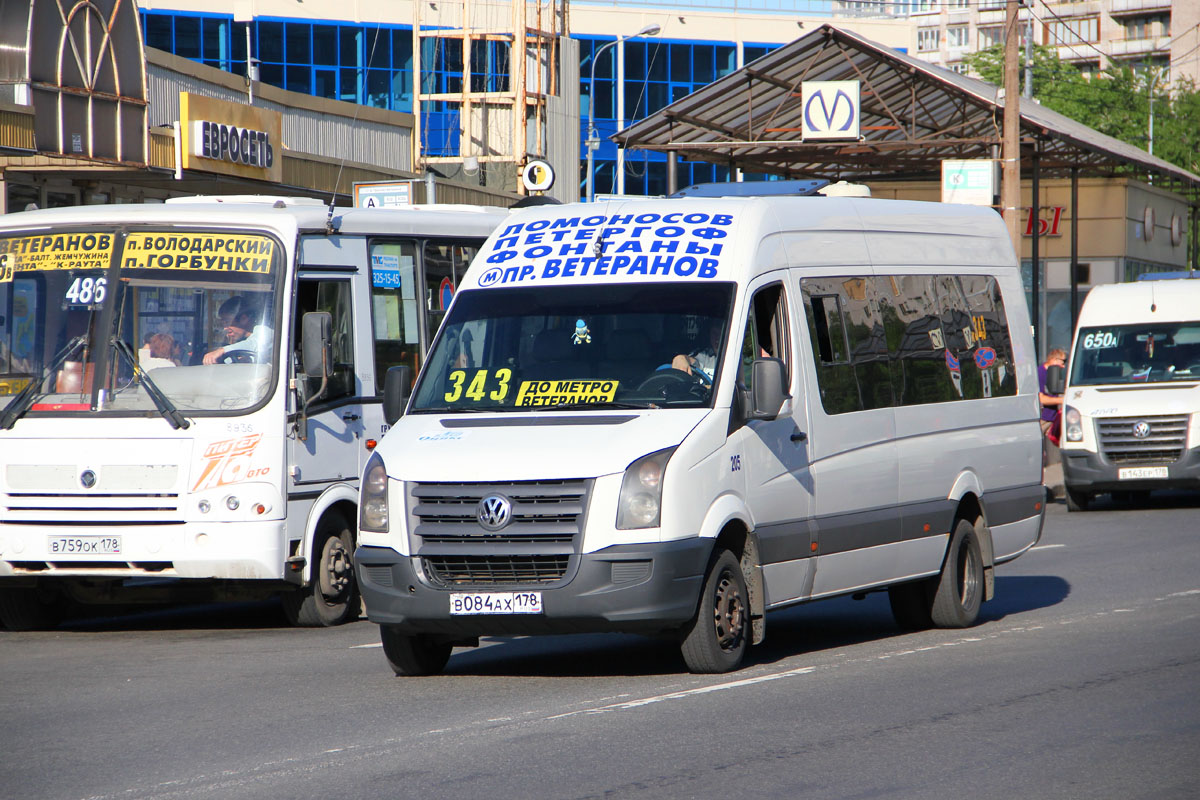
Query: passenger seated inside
{"type": "Point", "coordinates": [160, 349]}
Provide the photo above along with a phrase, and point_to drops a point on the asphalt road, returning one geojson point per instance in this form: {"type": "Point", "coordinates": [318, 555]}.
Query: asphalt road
{"type": "Point", "coordinates": [1083, 681]}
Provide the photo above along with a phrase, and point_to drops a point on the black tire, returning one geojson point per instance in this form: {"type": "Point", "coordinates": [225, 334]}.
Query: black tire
{"type": "Point", "coordinates": [413, 653]}
{"type": "Point", "coordinates": [959, 593]}
{"type": "Point", "coordinates": [1076, 501]}
{"type": "Point", "coordinates": [715, 641]}
{"type": "Point", "coordinates": [911, 604]}
{"type": "Point", "coordinates": [331, 597]}
{"type": "Point", "coordinates": [32, 609]}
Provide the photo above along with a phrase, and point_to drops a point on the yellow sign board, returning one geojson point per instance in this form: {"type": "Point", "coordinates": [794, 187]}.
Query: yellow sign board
{"type": "Point", "coordinates": [76, 250]}
{"type": "Point", "coordinates": [231, 138]}
{"type": "Point", "coordinates": [551, 393]}
{"type": "Point", "coordinates": [213, 252]}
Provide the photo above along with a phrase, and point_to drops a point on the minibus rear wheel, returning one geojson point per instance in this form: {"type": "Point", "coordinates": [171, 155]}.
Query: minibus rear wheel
{"type": "Point", "coordinates": [959, 593]}
{"type": "Point", "coordinates": [414, 653]}
{"type": "Point", "coordinates": [716, 639]}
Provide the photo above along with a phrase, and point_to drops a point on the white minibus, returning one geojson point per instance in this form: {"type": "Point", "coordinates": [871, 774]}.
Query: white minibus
{"type": "Point", "coordinates": [672, 416]}
{"type": "Point", "coordinates": [1131, 407]}
{"type": "Point", "coordinates": [189, 392]}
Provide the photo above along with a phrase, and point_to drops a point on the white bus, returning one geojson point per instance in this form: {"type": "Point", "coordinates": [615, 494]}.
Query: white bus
{"type": "Point", "coordinates": [164, 433]}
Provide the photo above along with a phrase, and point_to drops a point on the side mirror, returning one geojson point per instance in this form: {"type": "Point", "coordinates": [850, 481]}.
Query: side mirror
{"type": "Point", "coordinates": [1056, 380]}
{"type": "Point", "coordinates": [769, 381]}
{"type": "Point", "coordinates": [317, 344]}
{"type": "Point", "coordinates": [397, 384]}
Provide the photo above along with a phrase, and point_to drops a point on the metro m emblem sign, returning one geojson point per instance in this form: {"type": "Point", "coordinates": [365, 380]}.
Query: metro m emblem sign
{"type": "Point", "coordinates": [831, 109]}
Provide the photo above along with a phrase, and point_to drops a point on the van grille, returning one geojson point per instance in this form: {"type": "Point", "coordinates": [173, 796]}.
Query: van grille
{"type": "Point", "coordinates": [494, 570]}
{"type": "Point", "coordinates": [534, 548]}
{"type": "Point", "coordinates": [1163, 444]}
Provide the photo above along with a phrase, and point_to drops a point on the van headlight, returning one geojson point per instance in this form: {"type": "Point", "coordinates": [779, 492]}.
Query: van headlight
{"type": "Point", "coordinates": [1073, 429]}
{"type": "Point", "coordinates": [373, 500]}
{"type": "Point", "coordinates": [640, 503]}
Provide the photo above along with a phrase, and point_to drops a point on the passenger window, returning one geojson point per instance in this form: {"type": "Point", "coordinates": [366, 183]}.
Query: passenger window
{"type": "Point", "coordinates": [826, 306]}
{"type": "Point", "coordinates": [332, 296]}
{"type": "Point", "coordinates": [993, 347]}
{"type": "Point", "coordinates": [767, 332]}
{"type": "Point", "coordinates": [394, 308]}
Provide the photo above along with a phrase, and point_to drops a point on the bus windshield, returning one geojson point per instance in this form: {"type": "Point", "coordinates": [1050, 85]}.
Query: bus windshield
{"type": "Point", "coordinates": [1140, 353]}
{"type": "Point", "coordinates": [137, 321]}
{"type": "Point", "coordinates": [626, 346]}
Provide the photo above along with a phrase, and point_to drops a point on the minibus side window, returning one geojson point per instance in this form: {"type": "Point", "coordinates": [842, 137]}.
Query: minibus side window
{"type": "Point", "coordinates": [394, 308]}
{"type": "Point", "coordinates": [766, 333]}
{"type": "Point", "coordinates": [825, 306]}
{"type": "Point", "coordinates": [332, 296]}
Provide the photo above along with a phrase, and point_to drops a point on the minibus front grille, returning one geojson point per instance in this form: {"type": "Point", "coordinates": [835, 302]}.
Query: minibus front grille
{"type": "Point", "coordinates": [1143, 440]}
{"type": "Point", "coordinates": [546, 513]}
{"type": "Point", "coordinates": [30, 508]}
{"type": "Point", "coordinates": [450, 571]}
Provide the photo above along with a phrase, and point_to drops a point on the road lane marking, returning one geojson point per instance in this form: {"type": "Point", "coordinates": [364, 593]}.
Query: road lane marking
{"type": "Point", "coordinates": [365, 646]}
{"type": "Point", "coordinates": [345, 755]}
{"type": "Point", "coordinates": [1047, 547]}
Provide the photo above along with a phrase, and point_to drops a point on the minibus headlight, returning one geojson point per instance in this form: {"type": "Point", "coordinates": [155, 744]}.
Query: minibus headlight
{"type": "Point", "coordinates": [373, 502]}
{"type": "Point", "coordinates": [1073, 430]}
{"type": "Point", "coordinates": [640, 504]}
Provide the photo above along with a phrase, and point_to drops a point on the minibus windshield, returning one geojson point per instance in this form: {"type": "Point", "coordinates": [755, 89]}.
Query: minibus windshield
{"type": "Point", "coordinates": [572, 347]}
{"type": "Point", "coordinates": [143, 322]}
{"type": "Point", "coordinates": [1137, 354]}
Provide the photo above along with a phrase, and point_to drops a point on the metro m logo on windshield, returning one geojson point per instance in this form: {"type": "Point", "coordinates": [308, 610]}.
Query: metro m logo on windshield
{"type": "Point", "coordinates": [831, 109]}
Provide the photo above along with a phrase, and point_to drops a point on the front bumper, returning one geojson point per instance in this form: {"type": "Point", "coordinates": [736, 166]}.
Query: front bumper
{"type": "Point", "coordinates": [1092, 472]}
{"type": "Point", "coordinates": [644, 588]}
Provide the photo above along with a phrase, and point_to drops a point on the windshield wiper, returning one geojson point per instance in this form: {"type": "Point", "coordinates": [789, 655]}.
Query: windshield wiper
{"type": "Point", "coordinates": [24, 401]}
{"type": "Point", "coordinates": [161, 402]}
{"type": "Point", "coordinates": [455, 410]}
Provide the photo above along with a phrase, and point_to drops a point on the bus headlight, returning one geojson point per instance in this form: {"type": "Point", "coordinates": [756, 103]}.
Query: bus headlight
{"type": "Point", "coordinates": [373, 500]}
{"type": "Point", "coordinates": [1073, 429]}
{"type": "Point", "coordinates": [640, 503]}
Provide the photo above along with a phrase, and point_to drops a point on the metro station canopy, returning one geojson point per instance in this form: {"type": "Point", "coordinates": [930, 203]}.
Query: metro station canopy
{"type": "Point", "coordinates": [913, 116]}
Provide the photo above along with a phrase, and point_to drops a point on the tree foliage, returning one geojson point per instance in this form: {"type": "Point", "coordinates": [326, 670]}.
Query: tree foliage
{"type": "Point", "coordinates": [1116, 102]}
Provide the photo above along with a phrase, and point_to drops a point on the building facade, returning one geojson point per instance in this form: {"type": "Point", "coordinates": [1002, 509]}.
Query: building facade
{"type": "Point", "coordinates": [316, 48]}
{"type": "Point", "coordinates": [1159, 36]}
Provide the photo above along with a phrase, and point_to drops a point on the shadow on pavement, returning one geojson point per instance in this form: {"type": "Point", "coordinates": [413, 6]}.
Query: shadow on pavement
{"type": "Point", "coordinates": [810, 628]}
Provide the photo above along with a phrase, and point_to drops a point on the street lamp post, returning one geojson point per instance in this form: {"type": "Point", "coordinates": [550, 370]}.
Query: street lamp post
{"type": "Point", "coordinates": [593, 139]}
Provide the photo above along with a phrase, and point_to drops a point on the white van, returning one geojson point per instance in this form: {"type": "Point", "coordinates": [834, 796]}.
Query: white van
{"type": "Point", "coordinates": [672, 416]}
{"type": "Point", "coordinates": [1131, 409]}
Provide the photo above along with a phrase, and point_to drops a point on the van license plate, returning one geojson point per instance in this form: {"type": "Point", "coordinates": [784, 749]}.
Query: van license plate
{"type": "Point", "coordinates": [84, 545]}
{"type": "Point", "coordinates": [1140, 473]}
{"type": "Point", "coordinates": [496, 603]}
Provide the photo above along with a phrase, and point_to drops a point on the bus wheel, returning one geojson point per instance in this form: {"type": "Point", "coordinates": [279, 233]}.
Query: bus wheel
{"type": "Point", "coordinates": [959, 591]}
{"type": "Point", "coordinates": [331, 597]}
{"type": "Point", "coordinates": [32, 609]}
{"type": "Point", "coordinates": [413, 653]}
{"type": "Point", "coordinates": [1076, 501]}
{"type": "Point", "coordinates": [716, 639]}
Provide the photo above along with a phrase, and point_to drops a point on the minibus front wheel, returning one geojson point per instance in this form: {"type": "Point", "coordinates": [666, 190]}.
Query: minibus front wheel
{"type": "Point", "coordinates": [414, 653]}
{"type": "Point", "coordinates": [331, 597]}
{"type": "Point", "coordinates": [716, 639]}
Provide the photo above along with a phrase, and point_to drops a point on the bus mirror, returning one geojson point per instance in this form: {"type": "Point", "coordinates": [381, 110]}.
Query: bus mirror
{"type": "Point", "coordinates": [768, 393]}
{"type": "Point", "coordinates": [397, 383]}
{"type": "Point", "coordinates": [1056, 380]}
{"type": "Point", "coordinates": [317, 344]}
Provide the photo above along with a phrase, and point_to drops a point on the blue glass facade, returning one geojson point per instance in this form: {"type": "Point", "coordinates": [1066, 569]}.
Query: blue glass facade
{"type": "Point", "coordinates": [373, 65]}
{"type": "Point", "coordinates": [656, 73]}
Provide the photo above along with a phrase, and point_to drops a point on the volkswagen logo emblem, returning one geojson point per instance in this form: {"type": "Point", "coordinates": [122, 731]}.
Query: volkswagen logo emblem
{"type": "Point", "coordinates": [494, 512]}
{"type": "Point", "coordinates": [87, 478]}
{"type": "Point", "coordinates": [1141, 429]}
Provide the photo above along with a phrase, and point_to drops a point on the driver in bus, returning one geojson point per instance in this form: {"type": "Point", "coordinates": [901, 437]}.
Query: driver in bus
{"type": "Point", "coordinates": [237, 316]}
